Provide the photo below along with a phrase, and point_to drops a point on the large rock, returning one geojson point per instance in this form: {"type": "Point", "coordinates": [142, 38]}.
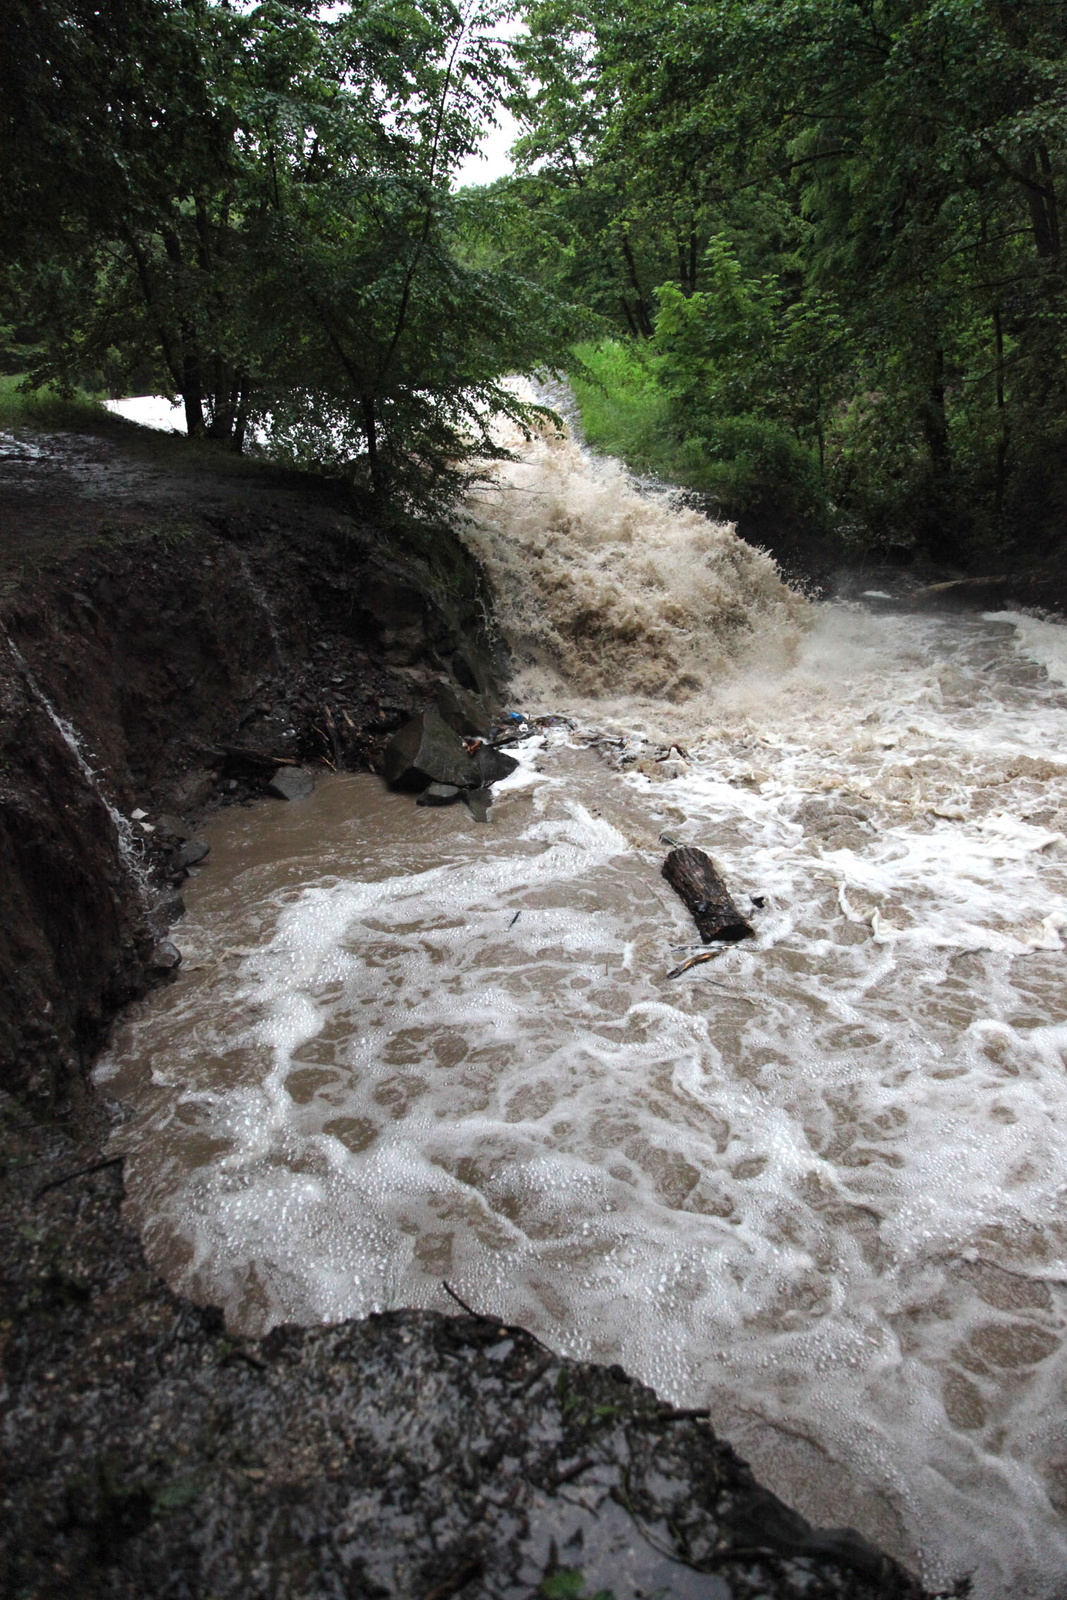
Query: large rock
{"type": "Point", "coordinates": [493, 764]}
{"type": "Point", "coordinates": [427, 750]}
{"type": "Point", "coordinates": [464, 711]}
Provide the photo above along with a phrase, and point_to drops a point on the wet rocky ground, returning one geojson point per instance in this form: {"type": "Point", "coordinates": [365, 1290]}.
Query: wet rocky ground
{"type": "Point", "coordinates": [173, 621]}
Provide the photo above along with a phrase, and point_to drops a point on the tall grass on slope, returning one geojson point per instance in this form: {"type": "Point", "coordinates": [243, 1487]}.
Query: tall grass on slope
{"type": "Point", "coordinates": [45, 408]}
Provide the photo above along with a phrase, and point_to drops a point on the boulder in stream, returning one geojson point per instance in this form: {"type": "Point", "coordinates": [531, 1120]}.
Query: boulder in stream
{"type": "Point", "coordinates": [427, 750]}
{"type": "Point", "coordinates": [166, 957]}
{"type": "Point", "coordinates": [171, 908]}
{"type": "Point", "coordinates": [439, 794]}
{"type": "Point", "coordinates": [192, 852]}
{"type": "Point", "coordinates": [479, 801]}
{"type": "Point", "coordinates": [493, 764]}
{"type": "Point", "coordinates": [291, 783]}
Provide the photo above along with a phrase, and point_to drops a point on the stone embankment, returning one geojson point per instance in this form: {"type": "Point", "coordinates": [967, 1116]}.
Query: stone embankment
{"type": "Point", "coordinates": [175, 628]}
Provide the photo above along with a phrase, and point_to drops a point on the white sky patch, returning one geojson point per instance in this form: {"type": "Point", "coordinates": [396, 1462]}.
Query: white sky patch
{"type": "Point", "coordinates": [150, 411]}
{"type": "Point", "coordinates": [492, 159]}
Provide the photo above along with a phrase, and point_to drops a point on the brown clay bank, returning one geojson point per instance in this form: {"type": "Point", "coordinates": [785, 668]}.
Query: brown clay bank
{"type": "Point", "coordinates": [175, 624]}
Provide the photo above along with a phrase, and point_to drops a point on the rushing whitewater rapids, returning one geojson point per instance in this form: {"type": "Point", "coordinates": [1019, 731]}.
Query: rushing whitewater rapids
{"type": "Point", "coordinates": [819, 1183]}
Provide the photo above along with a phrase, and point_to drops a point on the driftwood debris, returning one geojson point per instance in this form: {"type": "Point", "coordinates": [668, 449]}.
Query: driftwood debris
{"type": "Point", "coordinates": [694, 961]}
{"type": "Point", "coordinates": [692, 875]}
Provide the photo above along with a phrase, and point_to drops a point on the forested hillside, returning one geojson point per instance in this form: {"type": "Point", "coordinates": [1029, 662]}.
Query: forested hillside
{"type": "Point", "coordinates": [827, 236]}
{"type": "Point", "coordinates": [813, 247]}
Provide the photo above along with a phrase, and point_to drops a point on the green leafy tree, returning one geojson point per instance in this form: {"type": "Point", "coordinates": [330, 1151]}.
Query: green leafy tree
{"type": "Point", "coordinates": [261, 215]}
{"type": "Point", "coordinates": [888, 176]}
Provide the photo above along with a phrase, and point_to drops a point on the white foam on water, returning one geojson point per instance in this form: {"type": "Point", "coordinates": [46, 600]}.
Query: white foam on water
{"type": "Point", "coordinates": [819, 1183]}
{"type": "Point", "coordinates": [1043, 642]}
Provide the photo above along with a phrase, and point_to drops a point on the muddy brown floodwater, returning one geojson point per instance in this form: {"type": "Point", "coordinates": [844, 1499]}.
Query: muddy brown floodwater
{"type": "Point", "coordinates": [819, 1183]}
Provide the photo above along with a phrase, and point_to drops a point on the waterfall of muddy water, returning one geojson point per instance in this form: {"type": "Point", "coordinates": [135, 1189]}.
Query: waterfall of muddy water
{"type": "Point", "coordinates": [820, 1183]}
{"type": "Point", "coordinates": [601, 587]}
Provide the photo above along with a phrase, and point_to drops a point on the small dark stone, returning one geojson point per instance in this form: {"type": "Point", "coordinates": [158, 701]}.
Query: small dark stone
{"type": "Point", "coordinates": [193, 791]}
{"type": "Point", "coordinates": [479, 801]}
{"type": "Point", "coordinates": [170, 827]}
{"type": "Point", "coordinates": [427, 750]}
{"type": "Point", "coordinates": [166, 957]}
{"type": "Point", "coordinates": [439, 794]}
{"type": "Point", "coordinates": [190, 853]}
{"type": "Point", "coordinates": [291, 783]}
{"type": "Point", "coordinates": [171, 908]}
{"type": "Point", "coordinates": [493, 764]}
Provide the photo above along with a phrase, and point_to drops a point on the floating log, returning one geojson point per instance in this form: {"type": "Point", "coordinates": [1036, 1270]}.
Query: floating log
{"type": "Point", "coordinates": [692, 875]}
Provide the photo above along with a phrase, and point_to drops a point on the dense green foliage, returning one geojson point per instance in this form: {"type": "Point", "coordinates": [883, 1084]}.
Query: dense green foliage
{"type": "Point", "coordinates": [252, 210]}
{"type": "Point", "coordinates": [830, 232]}
{"type": "Point", "coordinates": [822, 236]}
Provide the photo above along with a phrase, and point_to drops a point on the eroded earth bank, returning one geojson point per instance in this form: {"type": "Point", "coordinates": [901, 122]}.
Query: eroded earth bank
{"type": "Point", "coordinates": [168, 618]}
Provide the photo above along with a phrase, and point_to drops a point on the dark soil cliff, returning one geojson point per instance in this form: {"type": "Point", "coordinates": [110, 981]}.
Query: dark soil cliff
{"type": "Point", "coordinates": [157, 606]}
{"type": "Point", "coordinates": [162, 611]}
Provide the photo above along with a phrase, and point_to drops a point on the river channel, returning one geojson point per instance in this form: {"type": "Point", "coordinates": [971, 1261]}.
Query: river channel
{"type": "Point", "coordinates": [819, 1183]}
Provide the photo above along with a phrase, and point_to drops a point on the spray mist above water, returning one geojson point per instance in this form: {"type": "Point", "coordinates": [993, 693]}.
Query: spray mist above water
{"type": "Point", "coordinates": [604, 588]}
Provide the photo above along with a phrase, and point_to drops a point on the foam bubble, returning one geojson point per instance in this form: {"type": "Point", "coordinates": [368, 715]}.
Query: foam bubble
{"type": "Point", "coordinates": [1041, 641]}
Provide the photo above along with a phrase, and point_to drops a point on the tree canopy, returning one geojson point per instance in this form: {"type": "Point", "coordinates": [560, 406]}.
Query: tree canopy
{"type": "Point", "coordinates": [252, 209]}
{"type": "Point", "coordinates": [826, 234]}
{"type": "Point", "coordinates": [836, 218]}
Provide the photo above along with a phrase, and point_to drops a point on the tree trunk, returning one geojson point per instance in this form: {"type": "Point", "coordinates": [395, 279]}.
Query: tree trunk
{"type": "Point", "coordinates": [1041, 200]}
{"type": "Point", "coordinates": [692, 875]}
{"type": "Point", "coordinates": [370, 429]}
{"type": "Point", "coordinates": [240, 420]}
{"type": "Point", "coordinates": [192, 396]}
{"type": "Point", "coordinates": [641, 316]}
{"type": "Point", "coordinates": [935, 418]}
{"type": "Point", "coordinates": [1002, 415]}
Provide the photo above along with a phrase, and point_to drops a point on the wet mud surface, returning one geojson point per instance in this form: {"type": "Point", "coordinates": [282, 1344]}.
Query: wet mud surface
{"type": "Point", "coordinates": [157, 607]}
